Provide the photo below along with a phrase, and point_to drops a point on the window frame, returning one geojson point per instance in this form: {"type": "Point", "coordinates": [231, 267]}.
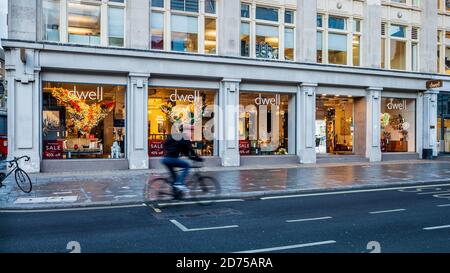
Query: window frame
{"type": "Point", "coordinates": [408, 46]}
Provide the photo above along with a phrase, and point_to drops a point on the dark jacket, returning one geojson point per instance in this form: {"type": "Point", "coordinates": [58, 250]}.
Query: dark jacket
{"type": "Point", "coordinates": [176, 148]}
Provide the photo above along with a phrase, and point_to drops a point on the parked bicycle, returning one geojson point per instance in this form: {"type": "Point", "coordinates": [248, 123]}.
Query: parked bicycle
{"type": "Point", "coordinates": [21, 177]}
{"type": "Point", "coordinates": [202, 189]}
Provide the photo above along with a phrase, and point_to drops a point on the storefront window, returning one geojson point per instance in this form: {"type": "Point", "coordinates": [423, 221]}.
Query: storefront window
{"type": "Point", "coordinates": [83, 121]}
{"type": "Point", "coordinates": [334, 125]}
{"type": "Point", "coordinates": [51, 20]}
{"type": "Point", "coordinates": [84, 23]}
{"type": "Point", "coordinates": [210, 36]}
{"type": "Point", "coordinates": [169, 108]}
{"type": "Point", "coordinates": [398, 125]}
{"type": "Point", "coordinates": [267, 42]}
{"type": "Point", "coordinates": [184, 33]}
{"type": "Point", "coordinates": [264, 127]}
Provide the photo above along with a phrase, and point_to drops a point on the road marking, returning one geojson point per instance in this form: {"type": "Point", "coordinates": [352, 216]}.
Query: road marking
{"type": "Point", "coordinates": [308, 219]}
{"type": "Point", "coordinates": [185, 229]}
{"type": "Point", "coordinates": [50, 199]}
{"type": "Point", "coordinates": [196, 202]}
{"type": "Point", "coordinates": [444, 205]}
{"type": "Point", "coordinates": [70, 209]}
{"type": "Point", "coordinates": [155, 209]}
{"type": "Point", "coordinates": [386, 211]}
{"type": "Point", "coordinates": [437, 227]}
{"type": "Point", "coordinates": [435, 192]}
{"type": "Point", "coordinates": [350, 191]}
{"type": "Point", "coordinates": [288, 247]}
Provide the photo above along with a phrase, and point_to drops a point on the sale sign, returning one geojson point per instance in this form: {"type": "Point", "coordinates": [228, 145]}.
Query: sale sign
{"type": "Point", "coordinates": [155, 148]}
{"type": "Point", "coordinates": [53, 149]}
{"type": "Point", "coordinates": [244, 147]}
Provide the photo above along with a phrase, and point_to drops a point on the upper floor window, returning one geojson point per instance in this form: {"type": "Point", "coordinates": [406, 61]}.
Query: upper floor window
{"type": "Point", "coordinates": [185, 32]}
{"type": "Point", "coordinates": [158, 3]}
{"type": "Point", "coordinates": [338, 40]}
{"type": "Point", "coordinates": [400, 47]}
{"type": "Point", "coordinates": [269, 33]}
{"type": "Point", "coordinates": [184, 5]}
{"type": "Point", "coordinates": [88, 22]}
{"type": "Point", "coordinates": [268, 14]}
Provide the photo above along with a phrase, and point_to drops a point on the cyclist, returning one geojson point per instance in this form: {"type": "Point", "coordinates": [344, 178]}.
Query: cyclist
{"type": "Point", "coordinates": [177, 145]}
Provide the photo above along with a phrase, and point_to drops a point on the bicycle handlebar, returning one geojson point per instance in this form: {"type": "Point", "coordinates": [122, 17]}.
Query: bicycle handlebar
{"type": "Point", "coordinates": [27, 158]}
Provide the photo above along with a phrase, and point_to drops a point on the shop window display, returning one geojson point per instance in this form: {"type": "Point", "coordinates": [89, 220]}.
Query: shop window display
{"type": "Point", "coordinates": [263, 125]}
{"type": "Point", "coordinates": [398, 125]}
{"type": "Point", "coordinates": [169, 108]}
{"type": "Point", "coordinates": [83, 121]}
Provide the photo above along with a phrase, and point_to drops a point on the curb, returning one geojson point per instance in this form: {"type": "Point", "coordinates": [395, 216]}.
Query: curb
{"type": "Point", "coordinates": [240, 195]}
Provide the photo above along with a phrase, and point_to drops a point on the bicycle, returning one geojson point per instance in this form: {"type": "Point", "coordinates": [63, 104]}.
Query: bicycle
{"type": "Point", "coordinates": [23, 181]}
{"type": "Point", "coordinates": [202, 189]}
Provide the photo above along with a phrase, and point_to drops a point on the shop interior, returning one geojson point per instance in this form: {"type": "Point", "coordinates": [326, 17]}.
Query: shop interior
{"type": "Point", "coordinates": [192, 108]}
{"type": "Point", "coordinates": [83, 121]}
{"type": "Point", "coordinates": [270, 138]}
{"type": "Point", "coordinates": [334, 125]}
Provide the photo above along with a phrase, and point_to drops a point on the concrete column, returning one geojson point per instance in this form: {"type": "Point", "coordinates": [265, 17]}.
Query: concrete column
{"type": "Point", "coordinates": [428, 37]}
{"type": "Point", "coordinates": [430, 121]}
{"type": "Point", "coordinates": [373, 134]}
{"type": "Point", "coordinates": [138, 24]}
{"type": "Point", "coordinates": [24, 106]}
{"type": "Point", "coordinates": [306, 122]}
{"type": "Point", "coordinates": [229, 122]}
{"type": "Point", "coordinates": [137, 120]}
{"type": "Point", "coordinates": [306, 31]}
{"type": "Point", "coordinates": [22, 19]}
{"type": "Point", "coordinates": [371, 38]}
{"type": "Point", "coordinates": [229, 25]}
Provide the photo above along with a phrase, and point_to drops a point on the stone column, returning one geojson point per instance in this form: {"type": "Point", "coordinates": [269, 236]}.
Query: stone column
{"type": "Point", "coordinates": [373, 134]}
{"type": "Point", "coordinates": [229, 25]}
{"type": "Point", "coordinates": [138, 24]}
{"type": "Point", "coordinates": [24, 109]}
{"type": "Point", "coordinates": [430, 121]}
{"type": "Point", "coordinates": [137, 121]}
{"type": "Point", "coordinates": [371, 38]}
{"type": "Point", "coordinates": [428, 37]}
{"type": "Point", "coordinates": [306, 122]}
{"type": "Point", "coordinates": [306, 31]}
{"type": "Point", "coordinates": [229, 122]}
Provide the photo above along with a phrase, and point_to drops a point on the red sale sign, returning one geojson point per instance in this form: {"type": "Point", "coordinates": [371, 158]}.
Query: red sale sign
{"type": "Point", "coordinates": [53, 149]}
{"type": "Point", "coordinates": [244, 147]}
{"type": "Point", "coordinates": [155, 148]}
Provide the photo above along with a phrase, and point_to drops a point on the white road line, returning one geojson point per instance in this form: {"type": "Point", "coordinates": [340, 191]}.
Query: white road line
{"type": "Point", "coordinates": [386, 211]}
{"type": "Point", "coordinates": [444, 205]}
{"type": "Point", "coordinates": [435, 192]}
{"type": "Point", "coordinates": [437, 227]}
{"type": "Point", "coordinates": [196, 202]}
{"type": "Point", "coordinates": [287, 247]}
{"type": "Point", "coordinates": [309, 219]}
{"type": "Point", "coordinates": [185, 229]}
{"type": "Point", "coordinates": [71, 209]}
{"type": "Point", "coordinates": [350, 191]}
{"type": "Point", "coordinates": [155, 209]}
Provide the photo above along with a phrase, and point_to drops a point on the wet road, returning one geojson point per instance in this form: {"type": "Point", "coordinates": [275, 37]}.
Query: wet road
{"type": "Point", "coordinates": [131, 186]}
{"type": "Point", "coordinates": [401, 219]}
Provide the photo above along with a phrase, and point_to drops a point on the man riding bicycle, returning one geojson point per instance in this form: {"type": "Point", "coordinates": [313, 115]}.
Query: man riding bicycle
{"type": "Point", "coordinates": [177, 145]}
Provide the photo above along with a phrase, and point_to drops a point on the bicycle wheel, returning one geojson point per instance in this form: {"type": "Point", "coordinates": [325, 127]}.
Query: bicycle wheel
{"type": "Point", "coordinates": [205, 189]}
{"type": "Point", "coordinates": [160, 189]}
{"type": "Point", "coordinates": [23, 180]}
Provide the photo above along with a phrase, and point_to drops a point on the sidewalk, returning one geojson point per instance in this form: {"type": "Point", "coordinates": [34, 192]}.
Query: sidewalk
{"type": "Point", "coordinates": [61, 190]}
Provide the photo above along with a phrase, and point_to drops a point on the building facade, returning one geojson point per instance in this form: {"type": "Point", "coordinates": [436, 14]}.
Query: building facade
{"type": "Point", "coordinates": [99, 84]}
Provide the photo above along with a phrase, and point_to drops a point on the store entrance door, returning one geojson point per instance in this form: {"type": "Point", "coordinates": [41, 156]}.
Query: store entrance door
{"type": "Point", "coordinates": [334, 125]}
{"type": "Point", "coordinates": [444, 134]}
